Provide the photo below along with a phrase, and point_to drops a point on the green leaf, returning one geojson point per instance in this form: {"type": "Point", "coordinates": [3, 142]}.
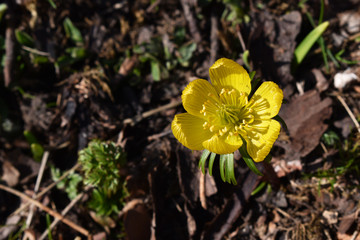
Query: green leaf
{"type": "Point", "coordinates": [52, 4]}
{"type": "Point", "coordinates": [37, 150]}
{"type": "Point", "coordinates": [308, 42]}
{"type": "Point", "coordinates": [340, 59]}
{"type": "Point", "coordinates": [330, 138]}
{"type": "Point", "coordinates": [48, 223]}
{"type": "Point", "coordinates": [179, 35]}
{"type": "Point", "coordinates": [252, 75]}
{"type": "Point", "coordinates": [226, 165]}
{"type": "Point", "coordinates": [3, 8]}
{"type": "Point", "coordinates": [76, 52]}
{"type": "Point", "coordinates": [211, 162]}
{"type": "Point", "coordinates": [40, 59]}
{"type": "Point", "coordinates": [229, 169]}
{"type": "Point", "coordinates": [245, 58]}
{"type": "Point", "coordinates": [30, 138]}
{"type": "Point", "coordinates": [155, 70]}
{"type": "Point", "coordinates": [203, 159]}
{"type": "Point", "coordinates": [222, 166]}
{"type": "Point", "coordinates": [23, 38]}
{"type": "Point", "coordinates": [259, 188]}
{"type": "Point", "coordinates": [186, 51]}
{"type": "Point", "coordinates": [72, 32]}
{"type": "Point", "coordinates": [248, 160]}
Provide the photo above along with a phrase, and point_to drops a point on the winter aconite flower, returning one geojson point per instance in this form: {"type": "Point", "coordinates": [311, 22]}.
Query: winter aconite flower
{"type": "Point", "coordinates": [220, 116]}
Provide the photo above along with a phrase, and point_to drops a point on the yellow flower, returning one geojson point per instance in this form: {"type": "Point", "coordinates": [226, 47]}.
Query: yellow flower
{"type": "Point", "coordinates": [220, 116]}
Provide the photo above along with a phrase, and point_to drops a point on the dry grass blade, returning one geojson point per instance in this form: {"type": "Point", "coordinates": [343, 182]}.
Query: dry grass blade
{"type": "Point", "coordinates": [352, 116]}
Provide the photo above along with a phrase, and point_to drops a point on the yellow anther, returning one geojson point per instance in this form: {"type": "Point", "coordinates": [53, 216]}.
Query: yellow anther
{"type": "Point", "coordinates": [212, 128]}
{"type": "Point", "coordinates": [231, 91]}
{"type": "Point", "coordinates": [225, 129]}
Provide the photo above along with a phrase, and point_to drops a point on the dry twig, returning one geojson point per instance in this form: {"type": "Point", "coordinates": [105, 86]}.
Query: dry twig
{"type": "Point", "coordinates": [134, 120]}
{"type": "Point", "coordinates": [10, 43]}
{"type": "Point", "coordinates": [63, 213]}
{"type": "Point", "coordinates": [191, 21]}
{"type": "Point", "coordinates": [37, 185]}
{"type": "Point", "coordinates": [48, 210]}
{"type": "Point", "coordinates": [202, 191]}
{"type": "Point", "coordinates": [48, 188]}
{"type": "Point", "coordinates": [352, 116]}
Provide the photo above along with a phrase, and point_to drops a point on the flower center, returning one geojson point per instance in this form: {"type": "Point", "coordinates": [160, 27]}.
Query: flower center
{"type": "Point", "coordinates": [229, 114]}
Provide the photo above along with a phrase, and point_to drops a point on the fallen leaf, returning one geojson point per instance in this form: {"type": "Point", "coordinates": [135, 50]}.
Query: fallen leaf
{"type": "Point", "coordinates": [347, 221]}
{"type": "Point", "coordinates": [304, 117]}
{"type": "Point", "coordinates": [10, 174]}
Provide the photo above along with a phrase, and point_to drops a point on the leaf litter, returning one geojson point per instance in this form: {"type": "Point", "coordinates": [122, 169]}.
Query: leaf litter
{"type": "Point", "coordinates": [119, 60]}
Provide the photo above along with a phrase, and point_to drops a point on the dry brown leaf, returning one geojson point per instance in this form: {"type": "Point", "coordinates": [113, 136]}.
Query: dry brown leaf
{"type": "Point", "coordinates": [305, 116]}
{"type": "Point", "coordinates": [10, 174]}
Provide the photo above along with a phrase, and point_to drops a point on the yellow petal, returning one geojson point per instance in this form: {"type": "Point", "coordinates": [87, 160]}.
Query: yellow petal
{"type": "Point", "coordinates": [217, 144]}
{"type": "Point", "coordinates": [188, 130]}
{"type": "Point", "coordinates": [259, 148]}
{"type": "Point", "coordinates": [267, 100]}
{"type": "Point", "coordinates": [195, 94]}
{"type": "Point", "coordinates": [226, 73]}
{"type": "Point", "coordinates": [234, 140]}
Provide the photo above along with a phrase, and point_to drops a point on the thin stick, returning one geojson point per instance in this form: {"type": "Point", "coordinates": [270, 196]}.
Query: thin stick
{"type": "Point", "coordinates": [238, 33]}
{"type": "Point", "coordinates": [63, 213]}
{"type": "Point", "coordinates": [353, 118]}
{"type": "Point", "coordinates": [191, 21]}
{"type": "Point", "coordinates": [48, 210]}
{"type": "Point", "coordinates": [44, 159]}
{"type": "Point", "coordinates": [134, 120]}
{"type": "Point", "coordinates": [35, 51]}
{"type": "Point", "coordinates": [158, 135]}
{"type": "Point", "coordinates": [202, 193]}
{"type": "Point", "coordinates": [20, 209]}
{"type": "Point", "coordinates": [10, 43]}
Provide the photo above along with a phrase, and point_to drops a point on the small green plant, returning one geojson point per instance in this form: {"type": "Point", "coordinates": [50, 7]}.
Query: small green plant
{"type": "Point", "coordinates": [37, 149]}
{"type": "Point", "coordinates": [234, 13]}
{"type": "Point", "coordinates": [3, 8]}
{"type": "Point", "coordinates": [162, 59]}
{"type": "Point", "coordinates": [308, 42]}
{"type": "Point", "coordinates": [102, 163]}
{"type": "Point", "coordinates": [69, 184]}
{"type": "Point", "coordinates": [347, 160]}
{"type": "Point", "coordinates": [74, 53]}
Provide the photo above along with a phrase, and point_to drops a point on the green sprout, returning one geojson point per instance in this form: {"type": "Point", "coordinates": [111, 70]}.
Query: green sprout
{"type": "Point", "coordinates": [308, 42]}
{"type": "Point", "coordinates": [102, 163]}
{"type": "Point", "coordinates": [37, 149]}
